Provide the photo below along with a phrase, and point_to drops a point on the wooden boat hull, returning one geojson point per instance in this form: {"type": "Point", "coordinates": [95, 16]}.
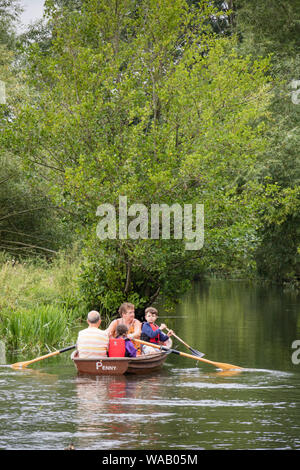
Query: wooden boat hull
{"type": "Point", "coordinates": [143, 364]}
{"type": "Point", "coordinates": [147, 363]}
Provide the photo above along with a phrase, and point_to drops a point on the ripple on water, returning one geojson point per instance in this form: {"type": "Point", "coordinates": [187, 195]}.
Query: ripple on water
{"type": "Point", "coordinates": [199, 403]}
{"type": "Point", "coordinates": [232, 386]}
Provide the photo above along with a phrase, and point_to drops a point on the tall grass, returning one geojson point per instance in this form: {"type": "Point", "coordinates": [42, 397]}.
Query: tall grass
{"type": "Point", "coordinates": [39, 329]}
{"type": "Point", "coordinates": [24, 285]}
{"type": "Point", "coordinates": [40, 305]}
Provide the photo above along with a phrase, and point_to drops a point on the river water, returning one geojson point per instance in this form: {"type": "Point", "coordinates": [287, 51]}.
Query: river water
{"type": "Point", "coordinates": [188, 404]}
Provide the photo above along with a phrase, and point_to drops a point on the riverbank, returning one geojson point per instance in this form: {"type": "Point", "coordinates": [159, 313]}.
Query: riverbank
{"type": "Point", "coordinates": [40, 305]}
{"type": "Point", "coordinates": [38, 282]}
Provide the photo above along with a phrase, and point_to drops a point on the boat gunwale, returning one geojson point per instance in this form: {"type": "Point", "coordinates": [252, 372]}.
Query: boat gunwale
{"type": "Point", "coordinates": [143, 357]}
{"type": "Point", "coordinates": [99, 358]}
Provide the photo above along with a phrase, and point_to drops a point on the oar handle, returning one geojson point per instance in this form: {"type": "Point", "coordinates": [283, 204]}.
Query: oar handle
{"type": "Point", "coordinates": [194, 351]}
{"type": "Point", "coordinates": [67, 349]}
{"type": "Point", "coordinates": [179, 339]}
{"type": "Point", "coordinates": [54, 353]}
{"type": "Point", "coordinates": [153, 345]}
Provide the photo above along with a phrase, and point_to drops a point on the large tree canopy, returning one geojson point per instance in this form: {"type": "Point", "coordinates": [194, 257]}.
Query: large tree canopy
{"type": "Point", "coordinates": [29, 222]}
{"type": "Point", "coordinates": [142, 99]}
{"type": "Point", "coordinates": [273, 27]}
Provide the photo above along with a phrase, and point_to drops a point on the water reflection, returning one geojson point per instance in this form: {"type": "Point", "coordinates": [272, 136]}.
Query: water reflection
{"type": "Point", "coordinates": [111, 409]}
{"type": "Point", "coordinates": [104, 392]}
{"type": "Point", "coordinates": [228, 373]}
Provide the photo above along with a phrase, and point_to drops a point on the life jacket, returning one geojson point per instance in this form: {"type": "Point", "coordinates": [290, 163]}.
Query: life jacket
{"type": "Point", "coordinates": [116, 347]}
{"type": "Point", "coordinates": [156, 339]}
{"type": "Point", "coordinates": [130, 331]}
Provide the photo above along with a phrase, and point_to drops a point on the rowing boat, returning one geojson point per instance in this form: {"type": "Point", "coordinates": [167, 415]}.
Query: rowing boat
{"type": "Point", "coordinates": [143, 364]}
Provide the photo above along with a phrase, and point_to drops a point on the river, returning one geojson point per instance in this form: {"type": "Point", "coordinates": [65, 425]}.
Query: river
{"type": "Point", "coordinates": [188, 404]}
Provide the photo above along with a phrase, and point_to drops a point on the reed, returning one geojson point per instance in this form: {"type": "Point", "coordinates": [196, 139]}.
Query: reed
{"type": "Point", "coordinates": [36, 329]}
{"type": "Point", "coordinates": [40, 306]}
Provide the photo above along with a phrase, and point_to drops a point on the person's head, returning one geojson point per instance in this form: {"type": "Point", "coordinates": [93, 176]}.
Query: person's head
{"type": "Point", "coordinates": [121, 330]}
{"type": "Point", "coordinates": [94, 318]}
{"type": "Point", "coordinates": [126, 311]}
{"type": "Point", "coordinates": [151, 314]}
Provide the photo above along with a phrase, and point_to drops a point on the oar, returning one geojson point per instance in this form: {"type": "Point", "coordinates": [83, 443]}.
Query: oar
{"type": "Point", "coordinates": [19, 365]}
{"type": "Point", "coordinates": [219, 365]}
{"type": "Point", "coordinates": [194, 351]}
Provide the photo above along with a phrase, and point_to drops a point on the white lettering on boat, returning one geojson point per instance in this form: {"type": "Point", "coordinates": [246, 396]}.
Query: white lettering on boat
{"type": "Point", "coordinates": [99, 365]}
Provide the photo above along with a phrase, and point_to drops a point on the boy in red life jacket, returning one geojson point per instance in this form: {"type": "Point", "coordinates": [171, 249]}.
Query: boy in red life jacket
{"type": "Point", "coordinates": [152, 333]}
{"type": "Point", "coordinates": [121, 346]}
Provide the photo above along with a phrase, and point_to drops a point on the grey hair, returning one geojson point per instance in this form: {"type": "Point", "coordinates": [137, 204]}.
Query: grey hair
{"type": "Point", "coordinates": [93, 316]}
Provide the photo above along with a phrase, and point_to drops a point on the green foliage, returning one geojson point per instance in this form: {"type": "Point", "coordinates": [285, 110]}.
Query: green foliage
{"type": "Point", "coordinates": [269, 26]}
{"type": "Point", "coordinates": [9, 15]}
{"type": "Point", "coordinates": [184, 102]}
{"type": "Point", "coordinates": [29, 222]}
{"type": "Point", "coordinates": [114, 272]}
{"type": "Point", "coordinates": [142, 99]}
{"type": "Point", "coordinates": [25, 285]}
{"type": "Point", "coordinates": [274, 27]}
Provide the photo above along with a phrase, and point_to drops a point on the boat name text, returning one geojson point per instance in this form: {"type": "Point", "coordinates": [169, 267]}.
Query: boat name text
{"type": "Point", "coordinates": [99, 365]}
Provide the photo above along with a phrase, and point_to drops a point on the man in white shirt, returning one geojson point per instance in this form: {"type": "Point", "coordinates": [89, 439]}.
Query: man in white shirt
{"type": "Point", "coordinates": [92, 342]}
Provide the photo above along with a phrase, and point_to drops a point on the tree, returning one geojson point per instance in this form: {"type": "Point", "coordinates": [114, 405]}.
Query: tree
{"type": "Point", "coordinates": [273, 27]}
{"type": "Point", "coordinates": [269, 26]}
{"type": "Point", "coordinates": [9, 15]}
{"type": "Point", "coordinates": [29, 222]}
{"type": "Point", "coordinates": [141, 99]}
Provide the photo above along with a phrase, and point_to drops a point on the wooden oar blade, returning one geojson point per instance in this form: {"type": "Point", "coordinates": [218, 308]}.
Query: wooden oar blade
{"type": "Point", "coordinates": [18, 365]}
{"type": "Point", "coordinates": [224, 366]}
{"type": "Point", "coordinates": [218, 365]}
{"type": "Point", "coordinates": [21, 365]}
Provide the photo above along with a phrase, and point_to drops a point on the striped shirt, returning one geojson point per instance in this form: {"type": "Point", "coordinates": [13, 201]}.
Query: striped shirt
{"type": "Point", "coordinates": [92, 342]}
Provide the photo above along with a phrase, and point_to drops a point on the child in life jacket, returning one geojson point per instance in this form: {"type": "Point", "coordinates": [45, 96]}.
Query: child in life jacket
{"type": "Point", "coordinates": [121, 346]}
{"type": "Point", "coordinates": [152, 333]}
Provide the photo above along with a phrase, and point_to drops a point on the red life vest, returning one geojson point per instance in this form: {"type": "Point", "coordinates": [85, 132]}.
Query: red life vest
{"type": "Point", "coordinates": [116, 347]}
{"type": "Point", "coordinates": [156, 338]}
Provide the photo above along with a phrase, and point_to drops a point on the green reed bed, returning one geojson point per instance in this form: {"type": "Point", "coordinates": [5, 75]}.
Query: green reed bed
{"type": "Point", "coordinates": [40, 306]}
{"type": "Point", "coordinates": [38, 330]}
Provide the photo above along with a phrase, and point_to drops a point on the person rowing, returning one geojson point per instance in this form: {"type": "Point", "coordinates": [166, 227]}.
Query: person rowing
{"type": "Point", "coordinates": [152, 333]}
{"type": "Point", "coordinates": [92, 341]}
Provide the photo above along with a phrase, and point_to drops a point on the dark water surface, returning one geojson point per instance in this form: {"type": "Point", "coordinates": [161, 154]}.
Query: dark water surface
{"type": "Point", "coordinates": [188, 404]}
